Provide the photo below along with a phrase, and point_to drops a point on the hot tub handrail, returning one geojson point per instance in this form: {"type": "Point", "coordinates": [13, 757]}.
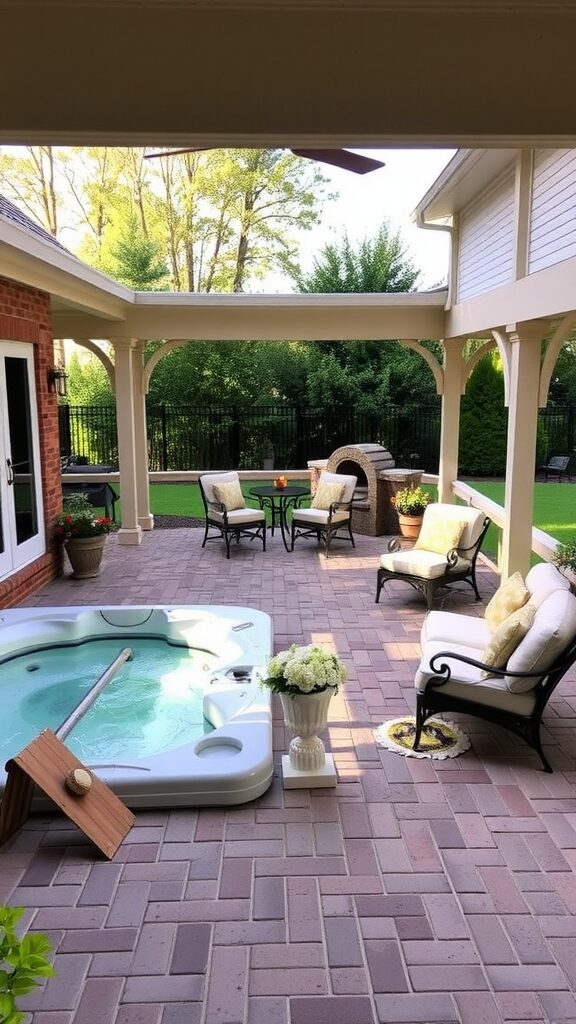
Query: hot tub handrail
{"type": "Point", "coordinates": [88, 699]}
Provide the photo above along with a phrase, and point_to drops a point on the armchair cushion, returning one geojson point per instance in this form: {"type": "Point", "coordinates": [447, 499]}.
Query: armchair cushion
{"type": "Point", "coordinates": [467, 630]}
{"type": "Point", "coordinates": [506, 638]}
{"type": "Point", "coordinates": [230, 494]}
{"type": "Point", "coordinates": [239, 516]}
{"type": "Point", "coordinates": [509, 597]}
{"type": "Point", "coordinates": [553, 629]}
{"type": "Point", "coordinates": [426, 564]}
{"type": "Point", "coordinates": [318, 516]}
{"type": "Point", "coordinates": [326, 494]}
{"type": "Point", "coordinates": [348, 483]}
{"type": "Point", "coordinates": [437, 533]}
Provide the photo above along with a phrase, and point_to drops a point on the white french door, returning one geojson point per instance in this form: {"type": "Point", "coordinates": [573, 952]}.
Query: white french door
{"type": "Point", "coordinates": [21, 515]}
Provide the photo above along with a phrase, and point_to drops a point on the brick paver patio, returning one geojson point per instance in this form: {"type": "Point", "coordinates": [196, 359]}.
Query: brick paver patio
{"type": "Point", "coordinates": [416, 891]}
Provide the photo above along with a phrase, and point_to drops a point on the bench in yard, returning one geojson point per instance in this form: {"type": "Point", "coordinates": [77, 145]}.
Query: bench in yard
{"type": "Point", "coordinates": [558, 464]}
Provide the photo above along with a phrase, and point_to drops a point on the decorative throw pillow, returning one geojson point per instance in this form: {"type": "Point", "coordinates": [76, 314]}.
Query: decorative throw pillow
{"type": "Point", "coordinates": [506, 638]}
{"type": "Point", "coordinates": [439, 535]}
{"type": "Point", "coordinates": [509, 597]}
{"type": "Point", "coordinates": [326, 495]}
{"type": "Point", "coordinates": [230, 495]}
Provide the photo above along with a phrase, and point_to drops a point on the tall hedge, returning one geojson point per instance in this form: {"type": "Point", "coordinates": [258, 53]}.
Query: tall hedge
{"type": "Point", "coordinates": [484, 421]}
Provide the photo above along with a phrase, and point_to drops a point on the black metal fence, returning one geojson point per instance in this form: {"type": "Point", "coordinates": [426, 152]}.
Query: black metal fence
{"type": "Point", "coordinates": [221, 437]}
{"type": "Point", "coordinates": [182, 437]}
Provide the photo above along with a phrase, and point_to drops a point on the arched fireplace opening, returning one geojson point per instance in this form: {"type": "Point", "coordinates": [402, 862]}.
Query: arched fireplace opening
{"type": "Point", "coordinates": [378, 481]}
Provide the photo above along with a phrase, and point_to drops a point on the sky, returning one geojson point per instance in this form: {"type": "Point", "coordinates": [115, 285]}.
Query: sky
{"type": "Point", "coordinates": [364, 201]}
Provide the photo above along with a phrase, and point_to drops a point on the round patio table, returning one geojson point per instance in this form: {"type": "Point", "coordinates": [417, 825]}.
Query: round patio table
{"type": "Point", "coordinates": [279, 501]}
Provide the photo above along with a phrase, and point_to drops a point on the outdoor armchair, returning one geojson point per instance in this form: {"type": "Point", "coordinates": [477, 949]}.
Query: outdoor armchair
{"type": "Point", "coordinates": [429, 569]}
{"type": "Point", "coordinates": [331, 511]}
{"type": "Point", "coordinates": [218, 492]}
{"type": "Point", "coordinates": [453, 674]}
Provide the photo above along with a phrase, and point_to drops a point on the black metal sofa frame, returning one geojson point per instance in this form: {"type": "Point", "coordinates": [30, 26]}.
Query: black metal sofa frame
{"type": "Point", "coordinates": [432, 699]}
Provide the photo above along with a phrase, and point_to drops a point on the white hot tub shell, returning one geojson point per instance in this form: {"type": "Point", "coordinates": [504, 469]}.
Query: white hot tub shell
{"type": "Point", "coordinates": [232, 764]}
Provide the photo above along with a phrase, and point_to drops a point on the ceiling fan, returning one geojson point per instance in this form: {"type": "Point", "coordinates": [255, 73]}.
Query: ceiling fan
{"type": "Point", "coordinates": [342, 158]}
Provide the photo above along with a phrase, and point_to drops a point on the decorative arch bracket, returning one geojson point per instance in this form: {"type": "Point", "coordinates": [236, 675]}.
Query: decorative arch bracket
{"type": "Point", "coordinates": [429, 358]}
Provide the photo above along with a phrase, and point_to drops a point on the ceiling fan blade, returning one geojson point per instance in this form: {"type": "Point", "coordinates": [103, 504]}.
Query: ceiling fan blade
{"type": "Point", "coordinates": [341, 158]}
{"type": "Point", "coordinates": [177, 152]}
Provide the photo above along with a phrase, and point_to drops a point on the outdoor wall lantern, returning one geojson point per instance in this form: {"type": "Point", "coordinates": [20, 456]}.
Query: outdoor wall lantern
{"type": "Point", "coordinates": [57, 381]}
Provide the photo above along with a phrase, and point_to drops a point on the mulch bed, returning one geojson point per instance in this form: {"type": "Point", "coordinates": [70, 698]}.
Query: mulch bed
{"type": "Point", "coordinates": [175, 522]}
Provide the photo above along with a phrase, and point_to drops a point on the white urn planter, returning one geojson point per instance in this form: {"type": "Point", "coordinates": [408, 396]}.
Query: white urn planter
{"type": "Point", "coordinates": [307, 764]}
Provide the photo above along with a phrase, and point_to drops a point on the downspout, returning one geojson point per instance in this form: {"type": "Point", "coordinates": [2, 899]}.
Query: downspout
{"type": "Point", "coordinates": [418, 218]}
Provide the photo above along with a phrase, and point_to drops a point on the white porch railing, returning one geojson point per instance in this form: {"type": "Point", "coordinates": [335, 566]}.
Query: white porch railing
{"type": "Point", "coordinates": [543, 544]}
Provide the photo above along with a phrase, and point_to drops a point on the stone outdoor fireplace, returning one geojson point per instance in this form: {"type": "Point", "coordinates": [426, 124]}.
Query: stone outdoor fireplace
{"type": "Point", "coordinates": [378, 481]}
{"type": "Point", "coordinates": [371, 498]}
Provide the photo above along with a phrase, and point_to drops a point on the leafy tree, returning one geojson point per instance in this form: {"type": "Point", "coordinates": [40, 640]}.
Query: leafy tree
{"type": "Point", "coordinates": [135, 260]}
{"type": "Point", "coordinates": [378, 264]}
{"type": "Point", "coordinates": [88, 382]}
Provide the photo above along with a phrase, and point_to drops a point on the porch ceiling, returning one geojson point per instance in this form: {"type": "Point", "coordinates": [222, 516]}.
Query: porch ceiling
{"type": "Point", "coordinates": [328, 72]}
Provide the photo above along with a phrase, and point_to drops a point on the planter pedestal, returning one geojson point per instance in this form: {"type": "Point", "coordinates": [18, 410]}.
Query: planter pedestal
{"type": "Point", "coordinates": [307, 766]}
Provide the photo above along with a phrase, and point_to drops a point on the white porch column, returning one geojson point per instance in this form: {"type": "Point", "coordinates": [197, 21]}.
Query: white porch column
{"type": "Point", "coordinates": [450, 425]}
{"type": "Point", "coordinates": [124, 349]}
{"type": "Point", "coordinates": [145, 519]}
{"type": "Point", "coordinates": [525, 345]}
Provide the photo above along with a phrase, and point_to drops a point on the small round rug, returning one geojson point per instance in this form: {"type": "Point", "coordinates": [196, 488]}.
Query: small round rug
{"type": "Point", "coordinates": [439, 738]}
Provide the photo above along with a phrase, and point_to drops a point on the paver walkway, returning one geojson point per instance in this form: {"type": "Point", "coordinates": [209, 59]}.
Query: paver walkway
{"type": "Point", "coordinates": [415, 891]}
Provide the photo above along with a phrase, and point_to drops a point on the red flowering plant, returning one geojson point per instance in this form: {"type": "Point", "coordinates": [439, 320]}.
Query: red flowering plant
{"type": "Point", "coordinates": [78, 520]}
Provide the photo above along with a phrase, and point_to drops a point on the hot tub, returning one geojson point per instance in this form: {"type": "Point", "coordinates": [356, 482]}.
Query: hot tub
{"type": "Point", "coordinates": [184, 723]}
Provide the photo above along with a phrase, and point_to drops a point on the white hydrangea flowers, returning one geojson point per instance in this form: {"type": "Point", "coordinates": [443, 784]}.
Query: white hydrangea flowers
{"type": "Point", "coordinates": [304, 670]}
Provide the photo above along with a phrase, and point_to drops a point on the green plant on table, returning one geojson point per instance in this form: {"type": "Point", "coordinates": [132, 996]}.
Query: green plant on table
{"type": "Point", "coordinates": [410, 501]}
{"type": "Point", "coordinates": [22, 962]}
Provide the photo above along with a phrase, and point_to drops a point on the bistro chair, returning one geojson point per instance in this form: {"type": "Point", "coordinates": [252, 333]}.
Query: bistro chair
{"type": "Point", "coordinates": [330, 512]}
{"type": "Point", "coordinates": [226, 510]}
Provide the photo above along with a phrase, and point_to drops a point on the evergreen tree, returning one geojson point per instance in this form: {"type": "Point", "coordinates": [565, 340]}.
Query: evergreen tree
{"type": "Point", "coordinates": [484, 420]}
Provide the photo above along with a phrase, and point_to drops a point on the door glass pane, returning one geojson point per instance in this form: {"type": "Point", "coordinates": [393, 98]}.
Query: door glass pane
{"type": "Point", "coordinates": [20, 446]}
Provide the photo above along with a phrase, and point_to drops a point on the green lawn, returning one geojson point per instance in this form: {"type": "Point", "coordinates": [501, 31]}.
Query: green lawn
{"type": "Point", "coordinates": [554, 504]}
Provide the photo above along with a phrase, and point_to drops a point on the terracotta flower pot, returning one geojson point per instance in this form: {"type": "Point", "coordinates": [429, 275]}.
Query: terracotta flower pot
{"type": "Point", "coordinates": [85, 555]}
{"type": "Point", "coordinates": [410, 525]}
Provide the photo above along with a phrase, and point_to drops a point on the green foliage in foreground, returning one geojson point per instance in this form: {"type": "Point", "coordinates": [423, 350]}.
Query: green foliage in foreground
{"type": "Point", "coordinates": [22, 963]}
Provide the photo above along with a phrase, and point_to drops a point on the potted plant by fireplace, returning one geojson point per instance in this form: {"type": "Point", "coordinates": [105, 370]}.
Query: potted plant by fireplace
{"type": "Point", "coordinates": [83, 535]}
{"type": "Point", "coordinates": [410, 503]}
{"type": "Point", "coordinates": [306, 679]}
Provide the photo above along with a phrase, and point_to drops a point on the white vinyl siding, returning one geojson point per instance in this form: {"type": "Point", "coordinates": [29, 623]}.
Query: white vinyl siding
{"type": "Point", "coordinates": [486, 240]}
{"type": "Point", "coordinates": [553, 213]}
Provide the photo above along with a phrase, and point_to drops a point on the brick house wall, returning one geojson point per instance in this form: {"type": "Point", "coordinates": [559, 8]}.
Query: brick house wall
{"type": "Point", "coordinates": [25, 316]}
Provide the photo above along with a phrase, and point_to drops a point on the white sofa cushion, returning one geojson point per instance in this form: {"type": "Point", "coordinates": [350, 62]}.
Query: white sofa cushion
{"type": "Point", "coordinates": [553, 629]}
{"type": "Point", "coordinates": [542, 580]}
{"type": "Point", "coordinates": [318, 517]}
{"type": "Point", "coordinates": [452, 627]}
{"type": "Point", "coordinates": [466, 680]}
{"type": "Point", "coordinates": [239, 516]}
{"type": "Point", "coordinates": [426, 564]}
